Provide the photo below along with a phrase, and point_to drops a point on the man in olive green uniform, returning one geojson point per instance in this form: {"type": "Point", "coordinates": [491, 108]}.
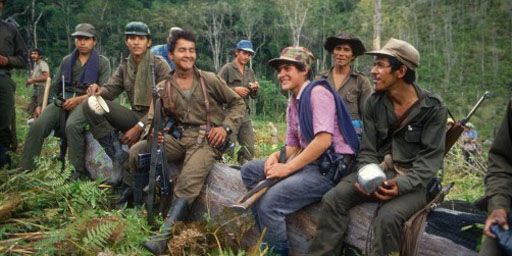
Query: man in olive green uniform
{"type": "Point", "coordinates": [204, 127]}
{"type": "Point", "coordinates": [240, 77]}
{"type": "Point", "coordinates": [498, 185]}
{"type": "Point", "coordinates": [83, 67]}
{"type": "Point", "coordinates": [134, 77]}
{"type": "Point", "coordinates": [400, 119]}
{"type": "Point", "coordinates": [39, 73]}
{"type": "Point", "coordinates": [353, 87]}
{"type": "Point", "coordinates": [12, 55]}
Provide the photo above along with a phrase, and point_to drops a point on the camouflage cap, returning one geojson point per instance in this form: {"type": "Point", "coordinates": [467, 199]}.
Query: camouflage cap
{"type": "Point", "coordinates": [295, 54]}
{"type": "Point", "coordinates": [84, 29]}
{"type": "Point", "coordinates": [402, 50]}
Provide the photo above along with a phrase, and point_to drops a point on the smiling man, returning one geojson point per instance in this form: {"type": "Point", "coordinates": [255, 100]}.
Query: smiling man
{"type": "Point", "coordinates": [195, 99]}
{"type": "Point", "coordinates": [318, 128]}
{"type": "Point", "coordinates": [83, 67]}
{"type": "Point", "coordinates": [240, 77]}
{"type": "Point", "coordinates": [406, 122]}
{"type": "Point", "coordinates": [133, 76]}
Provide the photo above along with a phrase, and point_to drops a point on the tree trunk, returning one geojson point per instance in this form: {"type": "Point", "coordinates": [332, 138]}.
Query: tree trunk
{"type": "Point", "coordinates": [376, 24]}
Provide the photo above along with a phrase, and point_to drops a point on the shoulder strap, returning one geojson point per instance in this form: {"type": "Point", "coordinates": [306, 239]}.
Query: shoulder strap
{"type": "Point", "coordinates": [404, 120]}
{"type": "Point", "coordinates": [206, 102]}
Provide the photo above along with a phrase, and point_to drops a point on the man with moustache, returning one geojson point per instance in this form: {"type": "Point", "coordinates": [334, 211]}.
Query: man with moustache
{"type": "Point", "coordinates": [133, 76]}
{"type": "Point", "coordinates": [12, 55]}
{"type": "Point", "coordinates": [240, 77]}
{"type": "Point", "coordinates": [402, 120]}
{"type": "Point", "coordinates": [195, 99]}
{"type": "Point", "coordinates": [39, 74]}
{"type": "Point", "coordinates": [80, 69]}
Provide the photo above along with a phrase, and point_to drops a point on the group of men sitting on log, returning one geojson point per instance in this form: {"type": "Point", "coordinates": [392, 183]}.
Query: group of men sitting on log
{"type": "Point", "coordinates": [336, 124]}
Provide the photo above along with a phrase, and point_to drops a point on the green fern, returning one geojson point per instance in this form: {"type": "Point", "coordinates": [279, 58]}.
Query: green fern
{"type": "Point", "coordinates": [98, 236]}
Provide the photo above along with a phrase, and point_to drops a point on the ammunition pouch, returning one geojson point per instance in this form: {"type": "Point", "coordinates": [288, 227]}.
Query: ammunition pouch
{"type": "Point", "coordinates": [173, 129]}
{"type": "Point", "coordinates": [334, 166]}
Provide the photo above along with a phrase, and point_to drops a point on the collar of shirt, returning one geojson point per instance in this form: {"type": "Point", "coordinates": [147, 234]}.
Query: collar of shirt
{"type": "Point", "coordinates": [302, 89]}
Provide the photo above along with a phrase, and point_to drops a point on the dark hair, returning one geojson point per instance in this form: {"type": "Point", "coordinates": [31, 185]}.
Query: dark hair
{"type": "Point", "coordinates": [300, 67]}
{"type": "Point", "coordinates": [410, 75]}
{"type": "Point", "coordinates": [181, 34]}
{"type": "Point", "coordinates": [38, 50]}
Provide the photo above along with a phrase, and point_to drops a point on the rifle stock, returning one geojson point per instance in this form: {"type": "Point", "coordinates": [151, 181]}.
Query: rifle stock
{"type": "Point", "coordinates": [47, 86]}
{"type": "Point", "coordinates": [453, 134]}
{"type": "Point", "coordinates": [253, 195]}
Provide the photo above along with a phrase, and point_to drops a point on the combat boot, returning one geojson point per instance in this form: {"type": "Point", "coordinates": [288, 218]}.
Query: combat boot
{"type": "Point", "coordinates": [125, 196]}
{"type": "Point", "coordinates": [114, 150]}
{"type": "Point", "coordinates": [157, 244]}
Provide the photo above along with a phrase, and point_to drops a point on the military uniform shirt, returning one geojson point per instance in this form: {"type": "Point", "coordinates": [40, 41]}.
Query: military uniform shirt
{"type": "Point", "coordinates": [355, 91]}
{"type": "Point", "coordinates": [418, 146]}
{"type": "Point", "coordinates": [38, 70]}
{"type": "Point", "coordinates": [231, 74]}
{"type": "Point", "coordinates": [193, 111]}
{"type": "Point", "coordinates": [12, 46]}
{"type": "Point", "coordinates": [77, 70]}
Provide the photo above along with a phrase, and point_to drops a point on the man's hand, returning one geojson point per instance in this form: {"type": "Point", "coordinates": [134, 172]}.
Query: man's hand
{"type": "Point", "coordinates": [217, 136]}
{"type": "Point", "coordinates": [131, 136]}
{"type": "Point", "coordinates": [387, 191]}
{"type": "Point", "coordinates": [93, 89]}
{"type": "Point", "coordinates": [242, 91]}
{"type": "Point", "coordinates": [29, 81]}
{"type": "Point", "coordinates": [3, 60]}
{"type": "Point", "coordinates": [71, 103]}
{"type": "Point", "coordinates": [37, 111]}
{"type": "Point", "coordinates": [271, 160]}
{"type": "Point", "coordinates": [498, 216]}
{"type": "Point", "coordinates": [254, 86]}
{"type": "Point", "coordinates": [277, 170]}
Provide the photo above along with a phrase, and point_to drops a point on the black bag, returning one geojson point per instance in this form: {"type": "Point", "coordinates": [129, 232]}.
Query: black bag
{"type": "Point", "coordinates": [333, 165]}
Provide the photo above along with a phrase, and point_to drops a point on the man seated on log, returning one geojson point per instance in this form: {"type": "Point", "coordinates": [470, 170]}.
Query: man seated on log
{"type": "Point", "coordinates": [405, 121]}
{"type": "Point", "coordinates": [83, 67]}
{"type": "Point", "coordinates": [319, 129]}
{"type": "Point", "coordinates": [133, 76]}
{"type": "Point", "coordinates": [195, 99]}
{"type": "Point", "coordinates": [498, 185]}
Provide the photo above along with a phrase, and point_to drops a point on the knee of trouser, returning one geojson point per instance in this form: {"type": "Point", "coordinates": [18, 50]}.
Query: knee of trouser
{"type": "Point", "coordinates": [249, 172]}
{"type": "Point", "coordinates": [387, 219]}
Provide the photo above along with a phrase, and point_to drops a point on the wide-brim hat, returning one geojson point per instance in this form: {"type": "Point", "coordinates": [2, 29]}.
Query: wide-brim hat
{"type": "Point", "coordinates": [402, 50]}
{"type": "Point", "coordinates": [84, 29]}
{"type": "Point", "coordinates": [294, 54]}
{"type": "Point", "coordinates": [345, 38]}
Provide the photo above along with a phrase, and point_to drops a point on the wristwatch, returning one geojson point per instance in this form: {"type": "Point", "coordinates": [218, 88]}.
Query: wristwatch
{"type": "Point", "coordinates": [228, 129]}
{"type": "Point", "coordinates": [141, 124]}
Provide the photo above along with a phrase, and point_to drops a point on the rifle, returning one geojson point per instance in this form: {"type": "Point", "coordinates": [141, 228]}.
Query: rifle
{"type": "Point", "coordinates": [47, 86]}
{"type": "Point", "coordinates": [253, 195]}
{"type": "Point", "coordinates": [158, 164]}
{"type": "Point", "coordinates": [453, 134]}
{"type": "Point", "coordinates": [63, 116]}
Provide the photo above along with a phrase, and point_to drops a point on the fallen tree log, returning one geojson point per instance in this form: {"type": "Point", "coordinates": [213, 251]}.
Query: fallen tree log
{"type": "Point", "coordinates": [448, 231]}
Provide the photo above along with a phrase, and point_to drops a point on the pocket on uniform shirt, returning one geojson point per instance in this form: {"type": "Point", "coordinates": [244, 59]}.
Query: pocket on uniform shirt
{"type": "Point", "coordinates": [413, 133]}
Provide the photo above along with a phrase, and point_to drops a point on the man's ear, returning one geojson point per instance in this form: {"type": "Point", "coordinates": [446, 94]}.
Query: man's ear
{"type": "Point", "coordinates": [401, 71]}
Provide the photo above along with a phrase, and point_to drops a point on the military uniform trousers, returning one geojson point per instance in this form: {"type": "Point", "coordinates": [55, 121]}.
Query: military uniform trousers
{"type": "Point", "coordinates": [387, 224]}
{"type": "Point", "coordinates": [490, 246]}
{"type": "Point", "coordinates": [245, 137]}
{"type": "Point", "coordinates": [42, 127]}
{"type": "Point", "coordinates": [197, 159]}
{"type": "Point", "coordinates": [7, 88]}
{"type": "Point", "coordinates": [118, 118]}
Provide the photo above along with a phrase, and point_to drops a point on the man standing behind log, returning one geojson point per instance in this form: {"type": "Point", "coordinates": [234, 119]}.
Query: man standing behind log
{"type": "Point", "coordinates": [163, 49]}
{"type": "Point", "coordinates": [39, 73]}
{"type": "Point", "coordinates": [12, 55]}
{"type": "Point", "coordinates": [240, 77]}
{"type": "Point", "coordinates": [498, 184]}
{"type": "Point", "coordinates": [400, 119]}
{"type": "Point", "coordinates": [83, 67]}
{"type": "Point", "coordinates": [314, 134]}
{"type": "Point", "coordinates": [195, 99]}
{"type": "Point", "coordinates": [133, 76]}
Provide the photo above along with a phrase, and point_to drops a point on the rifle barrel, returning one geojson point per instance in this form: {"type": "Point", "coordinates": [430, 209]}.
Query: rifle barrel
{"type": "Point", "coordinates": [466, 119]}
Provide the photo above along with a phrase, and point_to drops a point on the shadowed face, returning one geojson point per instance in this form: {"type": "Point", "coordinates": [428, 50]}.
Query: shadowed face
{"type": "Point", "coordinates": [242, 57]}
{"type": "Point", "coordinates": [137, 44]}
{"type": "Point", "coordinates": [383, 77]}
{"type": "Point", "coordinates": [342, 55]}
{"type": "Point", "coordinates": [84, 44]}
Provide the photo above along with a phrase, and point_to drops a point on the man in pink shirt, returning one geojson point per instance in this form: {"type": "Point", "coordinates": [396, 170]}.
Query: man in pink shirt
{"type": "Point", "coordinates": [311, 137]}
